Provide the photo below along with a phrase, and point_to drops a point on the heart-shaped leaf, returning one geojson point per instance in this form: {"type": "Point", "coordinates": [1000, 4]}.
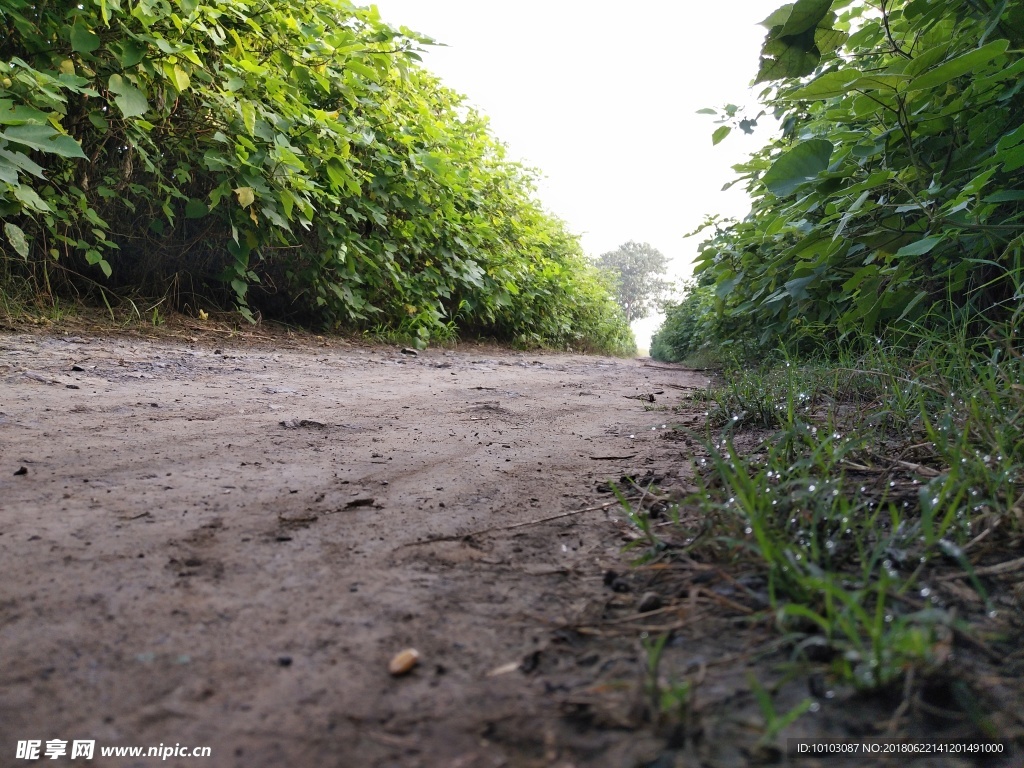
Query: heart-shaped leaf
{"type": "Point", "coordinates": [129, 99]}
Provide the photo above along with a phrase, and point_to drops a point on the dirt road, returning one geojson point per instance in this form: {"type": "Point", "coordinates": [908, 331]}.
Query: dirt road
{"type": "Point", "coordinates": [225, 546]}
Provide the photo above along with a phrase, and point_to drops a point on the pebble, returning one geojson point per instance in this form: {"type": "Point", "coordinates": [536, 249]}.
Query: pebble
{"type": "Point", "coordinates": [403, 662]}
{"type": "Point", "coordinates": [651, 601]}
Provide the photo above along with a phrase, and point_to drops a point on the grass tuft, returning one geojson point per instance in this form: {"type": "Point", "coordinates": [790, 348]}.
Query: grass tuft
{"type": "Point", "coordinates": [861, 485]}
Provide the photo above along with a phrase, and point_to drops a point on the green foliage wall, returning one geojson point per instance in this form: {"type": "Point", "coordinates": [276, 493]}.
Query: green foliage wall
{"type": "Point", "coordinates": [895, 192]}
{"type": "Point", "coordinates": [292, 156]}
{"type": "Point", "coordinates": [689, 325]}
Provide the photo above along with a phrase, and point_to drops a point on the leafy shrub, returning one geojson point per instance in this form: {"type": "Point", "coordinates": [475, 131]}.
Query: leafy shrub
{"type": "Point", "coordinates": [894, 193]}
{"type": "Point", "coordinates": [688, 327]}
{"type": "Point", "coordinates": [291, 158]}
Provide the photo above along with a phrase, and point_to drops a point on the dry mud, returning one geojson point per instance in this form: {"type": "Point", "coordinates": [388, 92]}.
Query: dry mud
{"type": "Point", "coordinates": [225, 546]}
{"type": "Point", "coordinates": [223, 542]}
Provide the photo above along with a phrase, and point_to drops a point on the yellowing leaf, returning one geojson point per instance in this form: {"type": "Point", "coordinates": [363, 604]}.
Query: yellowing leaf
{"type": "Point", "coordinates": [16, 237]}
{"type": "Point", "coordinates": [67, 67]}
{"type": "Point", "coordinates": [246, 196]}
{"type": "Point", "coordinates": [248, 117]}
{"type": "Point", "coordinates": [178, 76]}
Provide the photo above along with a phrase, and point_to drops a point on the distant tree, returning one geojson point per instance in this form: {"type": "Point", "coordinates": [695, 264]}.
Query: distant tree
{"type": "Point", "coordinates": [635, 269]}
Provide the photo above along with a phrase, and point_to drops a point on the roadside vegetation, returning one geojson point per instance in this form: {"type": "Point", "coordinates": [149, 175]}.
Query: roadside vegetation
{"type": "Point", "coordinates": [864, 447]}
{"type": "Point", "coordinates": [284, 160]}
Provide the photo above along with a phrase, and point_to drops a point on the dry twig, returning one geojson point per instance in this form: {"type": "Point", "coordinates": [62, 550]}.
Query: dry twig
{"type": "Point", "coordinates": [496, 528]}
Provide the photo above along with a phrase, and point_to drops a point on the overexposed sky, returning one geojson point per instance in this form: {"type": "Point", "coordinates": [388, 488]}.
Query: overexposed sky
{"type": "Point", "coordinates": [602, 99]}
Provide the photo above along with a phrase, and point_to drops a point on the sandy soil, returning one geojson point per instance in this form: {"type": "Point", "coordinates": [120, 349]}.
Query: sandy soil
{"type": "Point", "coordinates": [225, 545]}
{"type": "Point", "coordinates": [217, 541]}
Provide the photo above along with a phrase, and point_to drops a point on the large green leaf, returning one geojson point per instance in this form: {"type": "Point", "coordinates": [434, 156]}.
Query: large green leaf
{"type": "Point", "coordinates": [129, 99]}
{"type": "Point", "coordinates": [30, 198]}
{"type": "Point", "coordinates": [16, 237]}
{"type": "Point", "coordinates": [22, 161]}
{"type": "Point", "coordinates": [797, 287]}
{"type": "Point", "coordinates": [83, 40]}
{"type": "Point", "coordinates": [1012, 158]}
{"type": "Point", "coordinates": [925, 60]}
{"type": "Point", "coordinates": [44, 138]}
{"type": "Point", "coordinates": [94, 257]}
{"type": "Point", "coordinates": [361, 69]}
{"type": "Point", "coordinates": [959, 66]}
{"type": "Point", "coordinates": [798, 166]}
{"type": "Point", "coordinates": [805, 15]}
{"type": "Point", "coordinates": [788, 61]}
{"type": "Point", "coordinates": [828, 40]}
{"type": "Point", "coordinates": [724, 287]}
{"type": "Point", "coordinates": [195, 209]}
{"type": "Point", "coordinates": [1011, 139]}
{"type": "Point", "coordinates": [131, 52]}
{"type": "Point", "coordinates": [920, 247]}
{"type": "Point", "coordinates": [827, 86]}
{"type": "Point", "coordinates": [778, 17]}
{"type": "Point", "coordinates": [20, 114]}
{"type": "Point", "coordinates": [8, 171]}
{"type": "Point", "coordinates": [879, 82]}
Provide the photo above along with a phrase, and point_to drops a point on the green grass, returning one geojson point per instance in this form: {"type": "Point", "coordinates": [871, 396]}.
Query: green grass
{"type": "Point", "coordinates": [863, 477]}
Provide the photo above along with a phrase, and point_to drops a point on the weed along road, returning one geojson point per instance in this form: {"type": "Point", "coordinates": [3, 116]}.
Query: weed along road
{"type": "Point", "coordinates": [227, 546]}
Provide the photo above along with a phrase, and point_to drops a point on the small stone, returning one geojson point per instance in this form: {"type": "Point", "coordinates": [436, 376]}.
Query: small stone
{"type": "Point", "coordinates": [363, 501]}
{"type": "Point", "coordinates": [284, 661]}
{"type": "Point", "coordinates": [620, 585]}
{"type": "Point", "coordinates": [651, 601]}
{"type": "Point", "coordinates": [409, 351]}
{"type": "Point", "coordinates": [403, 662]}
{"type": "Point", "coordinates": [21, 471]}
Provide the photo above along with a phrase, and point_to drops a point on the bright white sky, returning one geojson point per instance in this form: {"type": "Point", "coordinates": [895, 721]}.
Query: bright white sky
{"type": "Point", "coordinates": [602, 99]}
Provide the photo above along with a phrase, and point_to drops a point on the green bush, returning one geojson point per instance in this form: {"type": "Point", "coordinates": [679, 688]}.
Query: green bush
{"type": "Point", "coordinates": [689, 325]}
{"type": "Point", "coordinates": [894, 192]}
{"type": "Point", "coordinates": [290, 158]}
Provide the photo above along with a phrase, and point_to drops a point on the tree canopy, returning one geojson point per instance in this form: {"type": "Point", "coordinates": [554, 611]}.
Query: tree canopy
{"type": "Point", "coordinates": [288, 158]}
{"type": "Point", "coordinates": [894, 194]}
{"type": "Point", "coordinates": [635, 268]}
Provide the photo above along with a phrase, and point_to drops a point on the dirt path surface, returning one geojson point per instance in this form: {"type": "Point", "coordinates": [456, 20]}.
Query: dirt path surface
{"type": "Point", "coordinates": [225, 547]}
